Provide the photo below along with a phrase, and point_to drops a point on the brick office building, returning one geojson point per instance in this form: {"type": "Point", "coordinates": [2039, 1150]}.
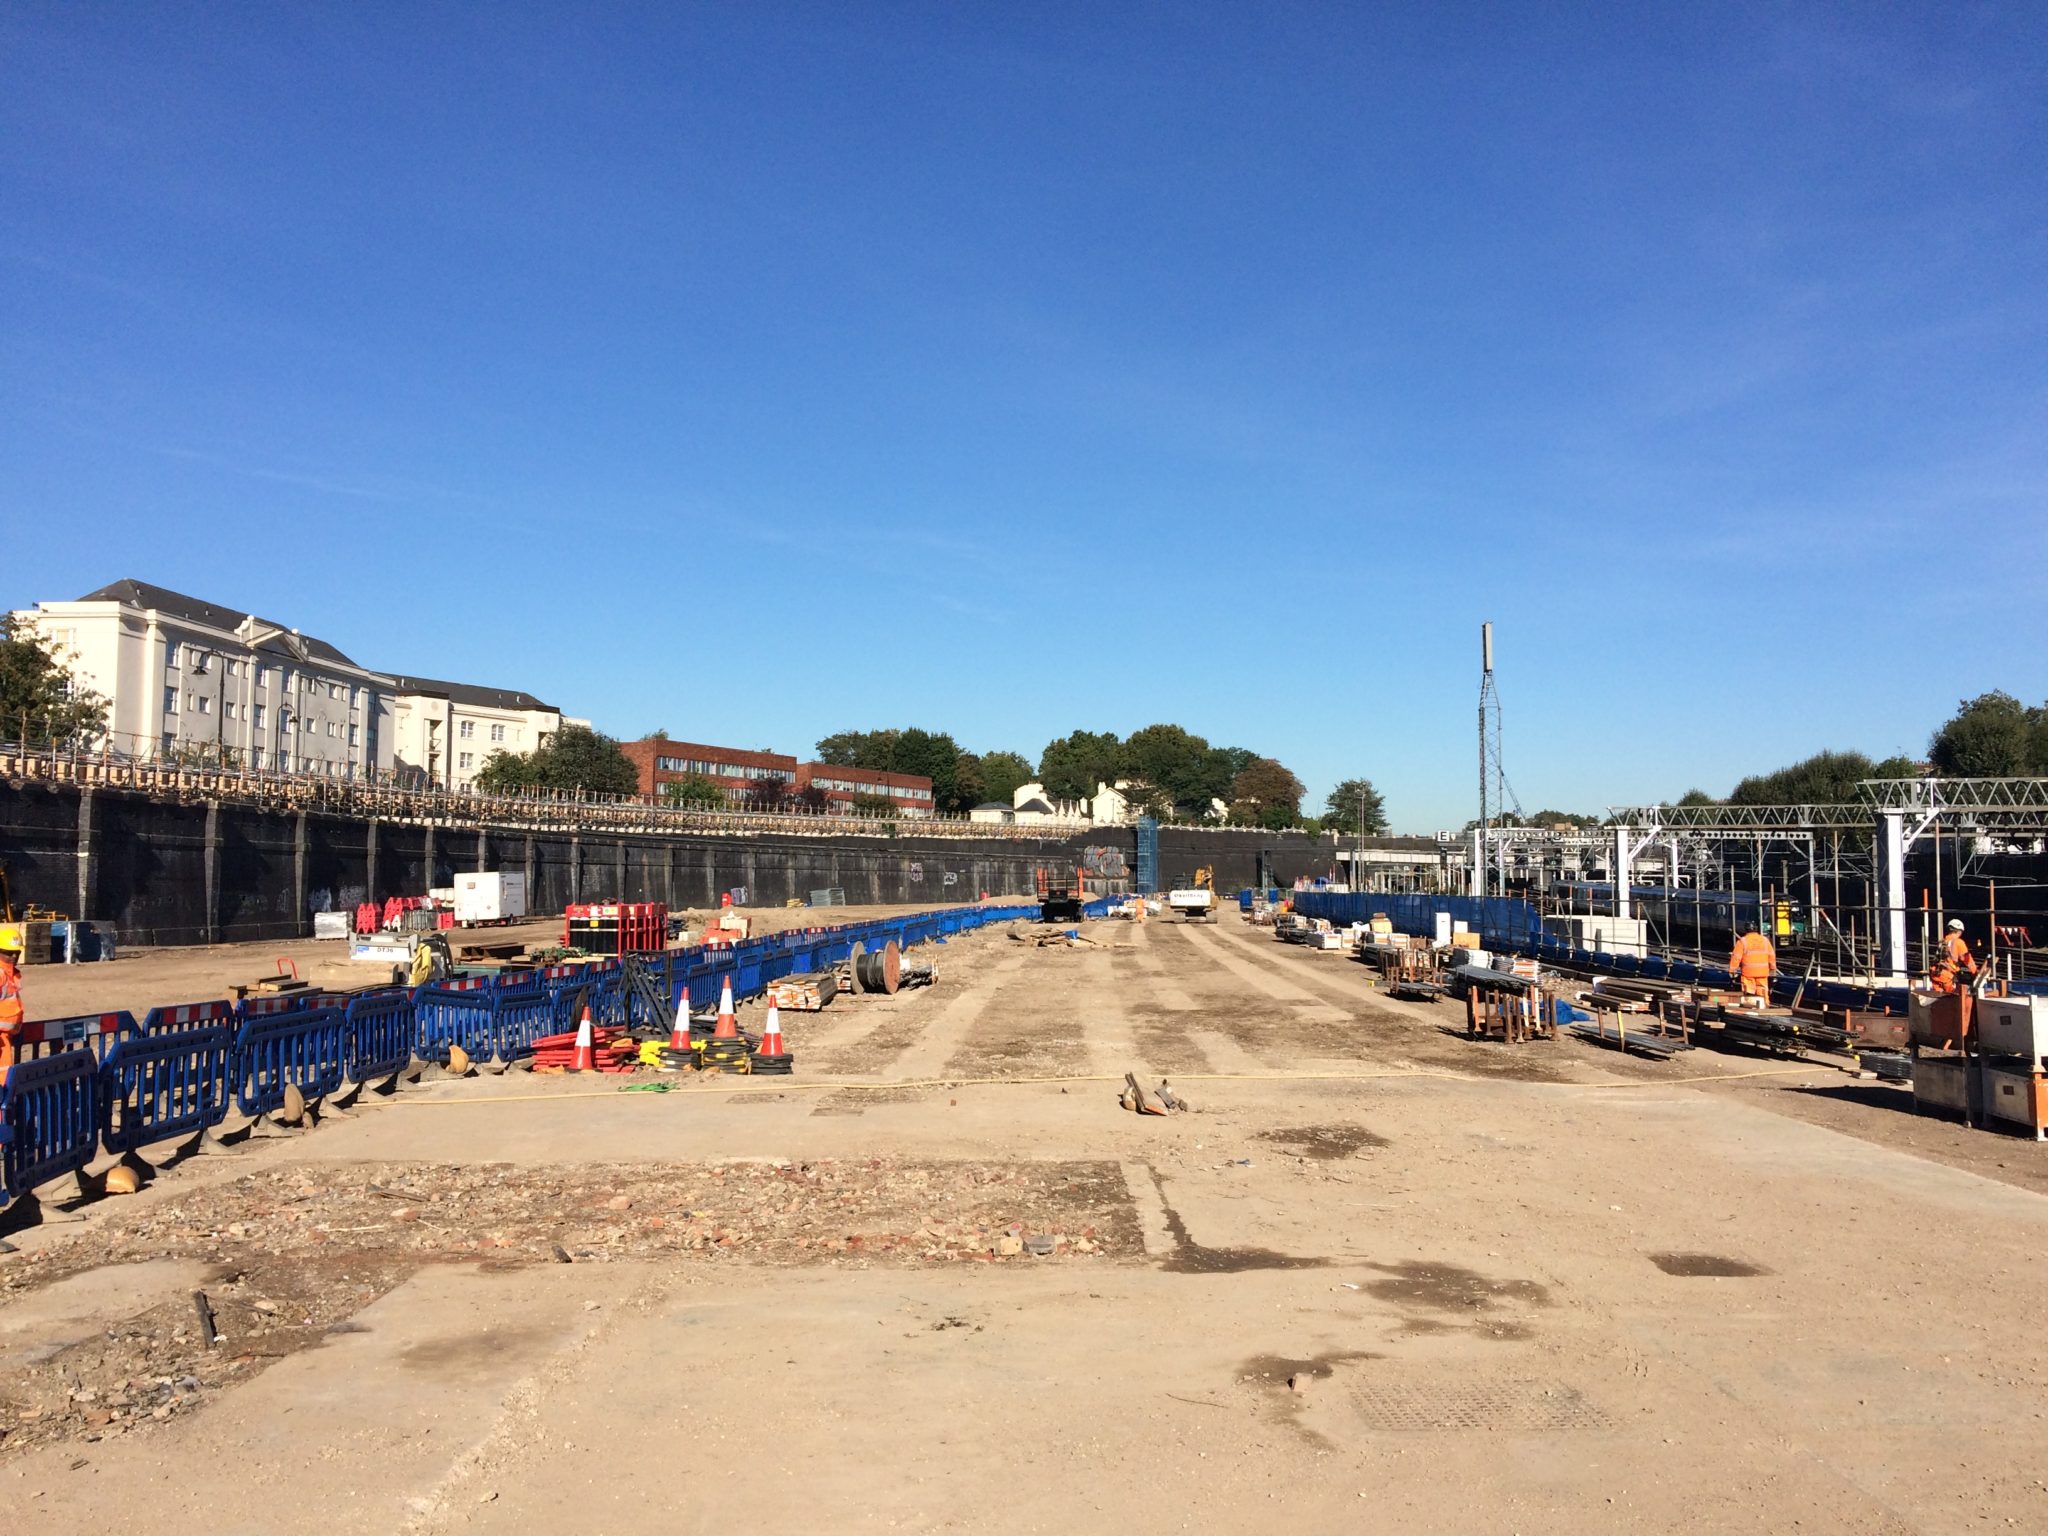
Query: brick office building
{"type": "Point", "coordinates": [909, 793]}
{"type": "Point", "coordinates": [740, 774]}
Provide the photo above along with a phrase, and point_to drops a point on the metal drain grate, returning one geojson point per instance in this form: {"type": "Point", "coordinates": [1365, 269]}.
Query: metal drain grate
{"type": "Point", "coordinates": [1500, 1404]}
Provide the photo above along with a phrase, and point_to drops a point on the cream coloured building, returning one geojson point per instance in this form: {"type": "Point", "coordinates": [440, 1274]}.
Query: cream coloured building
{"type": "Point", "coordinates": [446, 732]}
{"type": "Point", "coordinates": [188, 679]}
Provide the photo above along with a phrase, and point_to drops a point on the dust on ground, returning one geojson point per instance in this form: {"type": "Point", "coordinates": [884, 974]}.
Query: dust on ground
{"type": "Point", "coordinates": [285, 1258]}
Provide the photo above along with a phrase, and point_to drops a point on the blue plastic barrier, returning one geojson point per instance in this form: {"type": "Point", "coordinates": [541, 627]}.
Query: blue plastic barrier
{"type": "Point", "coordinates": [49, 1119]}
{"type": "Point", "coordinates": [189, 1016]}
{"type": "Point", "coordinates": [267, 1005]}
{"type": "Point", "coordinates": [308, 1050]}
{"type": "Point", "coordinates": [94, 1032]}
{"type": "Point", "coordinates": [382, 1026]}
{"type": "Point", "coordinates": [448, 1016]}
{"type": "Point", "coordinates": [520, 1016]}
{"type": "Point", "coordinates": [165, 1086]}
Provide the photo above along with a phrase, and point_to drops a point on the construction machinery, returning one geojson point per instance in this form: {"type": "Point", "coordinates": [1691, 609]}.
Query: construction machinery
{"type": "Point", "coordinates": [1195, 902]}
{"type": "Point", "coordinates": [1059, 896]}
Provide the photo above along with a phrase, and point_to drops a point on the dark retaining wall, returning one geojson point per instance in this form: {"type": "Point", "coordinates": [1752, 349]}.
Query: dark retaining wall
{"type": "Point", "coordinates": [166, 873]}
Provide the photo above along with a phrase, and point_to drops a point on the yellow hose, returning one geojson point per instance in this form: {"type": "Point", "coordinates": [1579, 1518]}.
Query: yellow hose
{"type": "Point", "coordinates": [792, 1086]}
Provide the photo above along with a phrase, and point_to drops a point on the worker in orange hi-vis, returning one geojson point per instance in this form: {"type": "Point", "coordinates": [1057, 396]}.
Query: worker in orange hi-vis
{"type": "Point", "coordinates": [1753, 962]}
{"type": "Point", "coordinates": [10, 993]}
{"type": "Point", "coordinates": [1953, 960]}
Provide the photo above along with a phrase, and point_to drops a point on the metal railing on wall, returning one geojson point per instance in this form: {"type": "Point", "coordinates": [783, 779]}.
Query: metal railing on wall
{"type": "Point", "coordinates": [185, 775]}
{"type": "Point", "coordinates": [386, 797]}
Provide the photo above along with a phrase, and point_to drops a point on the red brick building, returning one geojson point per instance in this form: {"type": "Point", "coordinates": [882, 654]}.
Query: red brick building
{"type": "Point", "coordinates": [660, 761]}
{"type": "Point", "coordinates": [909, 793]}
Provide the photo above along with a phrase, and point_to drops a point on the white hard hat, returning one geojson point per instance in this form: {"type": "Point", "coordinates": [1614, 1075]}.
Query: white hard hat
{"type": "Point", "coordinates": [1955, 925]}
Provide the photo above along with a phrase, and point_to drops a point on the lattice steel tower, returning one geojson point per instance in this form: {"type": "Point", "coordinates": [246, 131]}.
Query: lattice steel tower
{"type": "Point", "coordinates": [1494, 794]}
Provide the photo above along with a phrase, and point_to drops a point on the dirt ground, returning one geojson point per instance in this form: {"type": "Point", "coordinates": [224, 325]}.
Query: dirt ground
{"type": "Point", "coordinates": [1380, 1277]}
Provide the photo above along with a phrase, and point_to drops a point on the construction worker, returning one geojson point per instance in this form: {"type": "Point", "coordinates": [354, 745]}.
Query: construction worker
{"type": "Point", "coordinates": [1953, 960]}
{"type": "Point", "coordinates": [11, 1012]}
{"type": "Point", "coordinates": [1752, 962]}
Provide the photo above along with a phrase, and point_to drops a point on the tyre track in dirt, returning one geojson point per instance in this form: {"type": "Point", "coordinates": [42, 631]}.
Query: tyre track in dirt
{"type": "Point", "coordinates": [1421, 1035]}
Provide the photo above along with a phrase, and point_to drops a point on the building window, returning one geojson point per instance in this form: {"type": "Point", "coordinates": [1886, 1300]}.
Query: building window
{"type": "Point", "coordinates": [334, 690]}
{"type": "Point", "coordinates": [262, 675]}
{"type": "Point", "coordinates": [464, 760]}
{"type": "Point", "coordinates": [170, 741]}
{"type": "Point", "coordinates": [466, 730]}
{"type": "Point", "coordinates": [199, 659]}
{"type": "Point", "coordinates": [170, 653]}
{"type": "Point", "coordinates": [258, 713]}
{"type": "Point", "coordinates": [330, 730]}
{"type": "Point", "coordinates": [354, 736]}
{"type": "Point", "coordinates": [170, 701]}
{"type": "Point", "coordinates": [497, 733]}
{"type": "Point", "coordinates": [203, 704]}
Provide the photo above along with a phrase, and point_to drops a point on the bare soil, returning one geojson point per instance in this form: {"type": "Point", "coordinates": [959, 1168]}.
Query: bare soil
{"type": "Point", "coordinates": [1381, 1277]}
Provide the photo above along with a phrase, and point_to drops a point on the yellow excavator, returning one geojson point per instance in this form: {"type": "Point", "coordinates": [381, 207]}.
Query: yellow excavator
{"type": "Point", "coordinates": [1195, 902]}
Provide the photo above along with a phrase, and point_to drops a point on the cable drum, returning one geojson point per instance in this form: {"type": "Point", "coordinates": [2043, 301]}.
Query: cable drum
{"type": "Point", "coordinates": [879, 970]}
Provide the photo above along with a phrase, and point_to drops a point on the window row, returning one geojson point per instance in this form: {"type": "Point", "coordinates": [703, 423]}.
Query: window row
{"type": "Point", "coordinates": [717, 770]}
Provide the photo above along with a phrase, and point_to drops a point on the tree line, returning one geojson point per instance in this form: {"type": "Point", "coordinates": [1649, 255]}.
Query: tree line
{"type": "Point", "coordinates": [1168, 771]}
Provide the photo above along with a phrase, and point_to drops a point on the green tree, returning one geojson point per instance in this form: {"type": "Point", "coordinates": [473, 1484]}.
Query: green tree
{"type": "Point", "coordinates": [872, 804]}
{"type": "Point", "coordinates": [575, 757]}
{"type": "Point", "coordinates": [1826, 778]}
{"type": "Point", "coordinates": [1696, 797]}
{"type": "Point", "coordinates": [1562, 819]}
{"type": "Point", "coordinates": [1071, 767]}
{"type": "Point", "coordinates": [1991, 736]}
{"type": "Point", "coordinates": [1341, 809]}
{"type": "Point", "coordinates": [970, 788]}
{"type": "Point", "coordinates": [1270, 792]}
{"type": "Point", "coordinates": [694, 793]}
{"type": "Point", "coordinates": [40, 703]}
{"type": "Point", "coordinates": [1178, 764]}
{"type": "Point", "coordinates": [932, 754]}
{"type": "Point", "coordinates": [862, 749]}
{"type": "Point", "coordinates": [1001, 773]}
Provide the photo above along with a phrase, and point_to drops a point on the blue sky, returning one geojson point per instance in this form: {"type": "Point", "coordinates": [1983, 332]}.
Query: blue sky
{"type": "Point", "coordinates": [760, 371]}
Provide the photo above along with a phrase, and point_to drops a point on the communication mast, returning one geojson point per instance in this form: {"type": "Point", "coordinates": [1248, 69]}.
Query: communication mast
{"type": "Point", "coordinates": [1494, 794]}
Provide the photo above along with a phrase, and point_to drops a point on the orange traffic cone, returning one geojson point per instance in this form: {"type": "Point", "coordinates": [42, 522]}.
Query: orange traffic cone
{"type": "Point", "coordinates": [728, 1021]}
{"type": "Point", "coordinates": [585, 1059]}
{"type": "Point", "coordinates": [771, 1033]}
{"type": "Point", "coordinates": [679, 1033]}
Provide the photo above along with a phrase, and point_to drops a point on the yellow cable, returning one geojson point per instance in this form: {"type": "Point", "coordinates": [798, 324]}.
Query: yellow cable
{"type": "Point", "coordinates": [792, 1086]}
{"type": "Point", "coordinates": [971, 1082]}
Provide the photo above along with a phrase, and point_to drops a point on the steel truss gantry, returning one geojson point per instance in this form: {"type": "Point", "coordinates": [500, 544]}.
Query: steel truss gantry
{"type": "Point", "coordinates": [1897, 813]}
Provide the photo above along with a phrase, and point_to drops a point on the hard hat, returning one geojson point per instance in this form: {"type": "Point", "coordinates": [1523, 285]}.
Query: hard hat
{"type": "Point", "coordinates": [10, 937]}
{"type": "Point", "coordinates": [1955, 925]}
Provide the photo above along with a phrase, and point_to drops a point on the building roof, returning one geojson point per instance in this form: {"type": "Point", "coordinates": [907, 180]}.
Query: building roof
{"type": "Point", "coordinates": [465, 693]}
{"type": "Point", "coordinates": [1037, 806]}
{"type": "Point", "coordinates": [993, 805]}
{"type": "Point", "coordinates": [198, 611]}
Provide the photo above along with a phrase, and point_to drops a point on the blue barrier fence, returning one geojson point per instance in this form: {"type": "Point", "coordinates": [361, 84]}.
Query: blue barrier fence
{"type": "Point", "coordinates": [381, 1028]}
{"type": "Point", "coordinates": [164, 1087]}
{"type": "Point", "coordinates": [520, 1016]}
{"type": "Point", "coordinates": [307, 1050]}
{"type": "Point", "coordinates": [49, 1119]}
{"type": "Point", "coordinates": [446, 1016]}
{"type": "Point", "coordinates": [103, 1081]}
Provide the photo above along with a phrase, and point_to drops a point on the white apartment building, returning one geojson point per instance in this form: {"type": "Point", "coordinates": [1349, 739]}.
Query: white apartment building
{"type": "Point", "coordinates": [446, 732]}
{"type": "Point", "coordinates": [189, 679]}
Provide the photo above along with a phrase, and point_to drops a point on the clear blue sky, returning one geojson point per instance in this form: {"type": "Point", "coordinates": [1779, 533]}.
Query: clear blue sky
{"type": "Point", "coordinates": [759, 371]}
